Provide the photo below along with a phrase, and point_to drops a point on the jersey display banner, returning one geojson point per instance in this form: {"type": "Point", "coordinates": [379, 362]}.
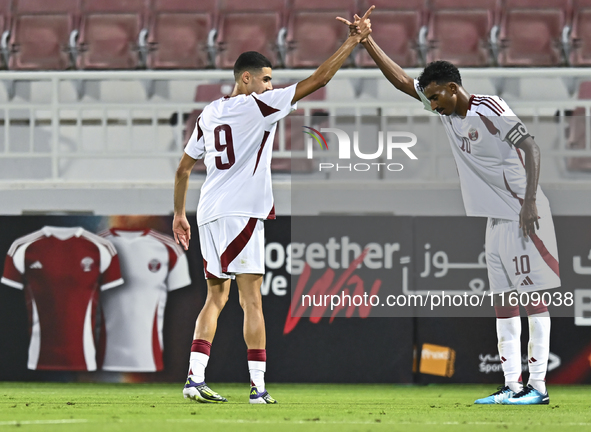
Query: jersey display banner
{"type": "Point", "coordinates": [235, 136]}
{"type": "Point", "coordinates": [62, 271]}
{"type": "Point", "coordinates": [152, 264]}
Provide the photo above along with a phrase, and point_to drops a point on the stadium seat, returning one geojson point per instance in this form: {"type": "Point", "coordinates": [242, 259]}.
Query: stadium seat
{"type": "Point", "coordinates": [459, 31]}
{"type": "Point", "coordinates": [531, 32]}
{"type": "Point", "coordinates": [395, 28]}
{"type": "Point", "coordinates": [249, 26]}
{"type": "Point", "coordinates": [577, 133]}
{"type": "Point", "coordinates": [313, 33]}
{"type": "Point", "coordinates": [110, 34]}
{"type": "Point", "coordinates": [580, 54]}
{"type": "Point", "coordinates": [180, 34]}
{"type": "Point", "coordinates": [41, 32]}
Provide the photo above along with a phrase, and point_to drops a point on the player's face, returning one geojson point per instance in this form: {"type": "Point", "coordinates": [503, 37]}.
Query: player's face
{"type": "Point", "coordinates": [260, 81]}
{"type": "Point", "coordinates": [443, 97]}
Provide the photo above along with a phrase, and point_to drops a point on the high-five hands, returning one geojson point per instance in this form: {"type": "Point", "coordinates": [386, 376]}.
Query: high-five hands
{"type": "Point", "coordinates": [361, 27]}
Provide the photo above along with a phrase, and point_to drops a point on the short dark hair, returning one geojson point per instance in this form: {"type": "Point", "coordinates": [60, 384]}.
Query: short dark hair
{"type": "Point", "coordinates": [440, 72]}
{"type": "Point", "coordinates": [250, 61]}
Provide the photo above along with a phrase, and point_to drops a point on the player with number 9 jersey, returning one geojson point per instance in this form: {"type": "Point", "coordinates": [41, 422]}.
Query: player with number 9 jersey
{"type": "Point", "coordinates": [235, 135]}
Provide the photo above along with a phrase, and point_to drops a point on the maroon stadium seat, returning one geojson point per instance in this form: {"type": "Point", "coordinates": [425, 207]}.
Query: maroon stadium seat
{"type": "Point", "coordinates": [178, 33]}
{"type": "Point", "coordinates": [40, 34]}
{"type": "Point", "coordinates": [531, 32]}
{"type": "Point", "coordinates": [395, 28]}
{"type": "Point", "coordinates": [313, 33]}
{"type": "Point", "coordinates": [248, 26]}
{"type": "Point", "coordinates": [581, 33]}
{"type": "Point", "coordinates": [459, 31]}
{"type": "Point", "coordinates": [109, 33]}
{"type": "Point", "coordinates": [576, 136]}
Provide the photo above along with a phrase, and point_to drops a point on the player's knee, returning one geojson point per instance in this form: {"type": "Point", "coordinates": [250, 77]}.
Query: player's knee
{"type": "Point", "coordinates": [251, 302]}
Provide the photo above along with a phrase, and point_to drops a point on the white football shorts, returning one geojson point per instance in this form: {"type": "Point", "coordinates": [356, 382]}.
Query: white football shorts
{"type": "Point", "coordinates": [516, 262]}
{"type": "Point", "coordinates": [233, 244]}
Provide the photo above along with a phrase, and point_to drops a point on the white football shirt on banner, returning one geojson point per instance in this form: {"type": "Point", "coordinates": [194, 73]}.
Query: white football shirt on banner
{"type": "Point", "coordinates": [235, 136]}
{"type": "Point", "coordinates": [490, 167]}
{"type": "Point", "coordinates": [152, 264]}
{"type": "Point", "coordinates": [62, 271]}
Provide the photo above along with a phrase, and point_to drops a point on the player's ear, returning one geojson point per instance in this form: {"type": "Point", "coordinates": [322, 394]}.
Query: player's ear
{"type": "Point", "coordinates": [453, 87]}
{"type": "Point", "coordinates": [246, 77]}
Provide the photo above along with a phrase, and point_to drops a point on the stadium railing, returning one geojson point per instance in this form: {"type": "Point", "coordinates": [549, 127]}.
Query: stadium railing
{"type": "Point", "coordinates": [57, 131]}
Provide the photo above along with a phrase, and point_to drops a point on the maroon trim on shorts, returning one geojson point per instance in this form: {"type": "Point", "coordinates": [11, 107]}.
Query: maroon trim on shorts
{"type": "Point", "coordinates": [266, 110]}
{"type": "Point", "coordinates": [238, 244]}
{"type": "Point", "coordinates": [257, 355]}
{"type": "Point", "coordinates": [208, 275]}
{"type": "Point", "coordinates": [548, 258]}
{"type": "Point", "coordinates": [201, 346]}
{"type": "Point", "coordinates": [271, 214]}
{"type": "Point", "coordinates": [265, 136]}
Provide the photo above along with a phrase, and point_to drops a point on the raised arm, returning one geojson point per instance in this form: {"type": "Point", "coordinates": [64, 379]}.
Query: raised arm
{"type": "Point", "coordinates": [390, 69]}
{"type": "Point", "coordinates": [329, 68]}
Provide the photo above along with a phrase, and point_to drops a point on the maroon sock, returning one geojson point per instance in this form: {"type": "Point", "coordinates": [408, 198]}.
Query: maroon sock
{"type": "Point", "coordinates": [201, 346]}
{"type": "Point", "coordinates": [257, 355]}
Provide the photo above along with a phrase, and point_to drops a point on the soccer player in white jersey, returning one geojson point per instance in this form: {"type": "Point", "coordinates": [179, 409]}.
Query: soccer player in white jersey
{"type": "Point", "coordinates": [498, 164]}
{"type": "Point", "coordinates": [235, 137]}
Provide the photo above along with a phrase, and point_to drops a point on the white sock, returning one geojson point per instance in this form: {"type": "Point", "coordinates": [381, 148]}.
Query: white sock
{"type": "Point", "coordinates": [197, 364]}
{"type": "Point", "coordinates": [509, 337]}
{"type": "Point", "coordinates": [257, 374]}
{"type": "Point", "coordinates": [538, 349]}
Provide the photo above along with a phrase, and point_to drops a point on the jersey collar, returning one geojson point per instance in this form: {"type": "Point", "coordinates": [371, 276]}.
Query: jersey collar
{"type": "Point", "coordinates": [144, 231]}
{"type": "Point", "coordinates": [62, 233]}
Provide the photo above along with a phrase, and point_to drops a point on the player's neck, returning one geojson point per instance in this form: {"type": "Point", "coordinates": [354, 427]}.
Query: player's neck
{"type": "Point", "coordinates": [463, 102]}
{"type": "Point", "coordinates": [239, 90]}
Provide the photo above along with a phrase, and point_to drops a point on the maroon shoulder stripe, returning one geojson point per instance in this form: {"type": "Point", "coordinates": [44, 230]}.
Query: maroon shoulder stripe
{"type": "Point", "coordinates": [490, 100]}
{"type": "Point", "coordinates": [266, 110]}
{"type": "Point", "coordinates": [236, 246]}
{"type": "Point", "coordinates": [265, 136]}
{"type": "Point", "coordinates": [488, 105]}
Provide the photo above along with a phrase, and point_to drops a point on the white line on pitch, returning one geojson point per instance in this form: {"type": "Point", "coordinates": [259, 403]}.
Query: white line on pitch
{"type": "Point", "coordinates": [41, 422]}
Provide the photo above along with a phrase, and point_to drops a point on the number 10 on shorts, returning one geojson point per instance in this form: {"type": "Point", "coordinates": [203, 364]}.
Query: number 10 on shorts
{"type": "Point", "coordinates": [522, 263]}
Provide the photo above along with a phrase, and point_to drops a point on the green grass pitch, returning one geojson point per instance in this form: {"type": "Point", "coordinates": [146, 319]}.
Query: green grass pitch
{"type": "Point", "coordinates": [302, 407]}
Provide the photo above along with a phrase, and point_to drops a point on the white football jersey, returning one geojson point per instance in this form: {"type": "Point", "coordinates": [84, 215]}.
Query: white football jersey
{"type": "Point", "coordinates": [490, 166]}
{"type": "Point", "coordinates": [235, 136]}
{"type": "Point", "coordinates": [153, 264]}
